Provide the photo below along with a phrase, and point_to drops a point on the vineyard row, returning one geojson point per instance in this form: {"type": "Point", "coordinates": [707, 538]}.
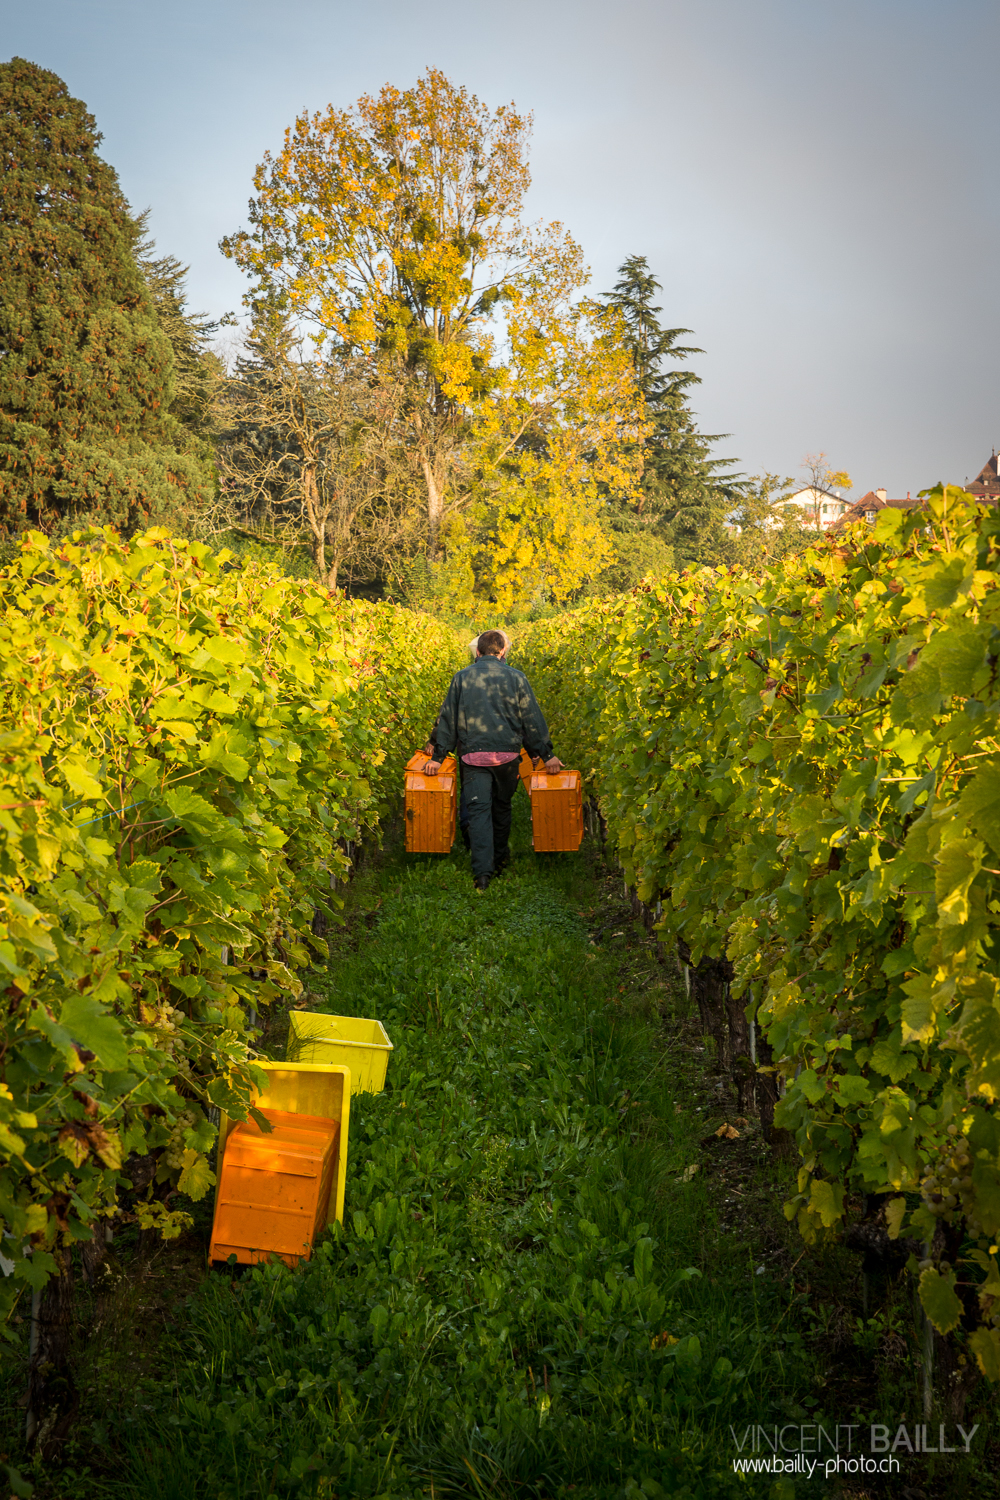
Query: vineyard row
{"type": "Point", "coordinates": [804, 769]}
{"type": "Point", "coordinates": [186, 747]}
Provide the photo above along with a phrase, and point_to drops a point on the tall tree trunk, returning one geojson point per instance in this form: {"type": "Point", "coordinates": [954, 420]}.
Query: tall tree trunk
{"type": "Point", "coordinates": [317, 523]}
{"type": "Point", "coordinates": [435, 507]}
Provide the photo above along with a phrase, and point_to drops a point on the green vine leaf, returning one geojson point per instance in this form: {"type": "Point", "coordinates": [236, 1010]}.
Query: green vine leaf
{"type": "Point", "coordinates": [939, 1300]}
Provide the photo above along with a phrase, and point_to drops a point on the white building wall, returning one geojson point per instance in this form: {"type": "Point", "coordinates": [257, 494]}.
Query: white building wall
{"type": "Point", "coordinates": [818, 507]}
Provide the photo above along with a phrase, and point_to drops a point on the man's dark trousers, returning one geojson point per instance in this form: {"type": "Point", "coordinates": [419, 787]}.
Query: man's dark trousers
{"type": "Point", "coordinates": [463, 806]}
{"type": "Point", "coordinates": [489, 791]}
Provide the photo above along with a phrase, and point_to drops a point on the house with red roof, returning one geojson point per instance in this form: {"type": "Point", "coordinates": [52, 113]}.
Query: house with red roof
{"type": "Point", "coordinates": [985, 487]}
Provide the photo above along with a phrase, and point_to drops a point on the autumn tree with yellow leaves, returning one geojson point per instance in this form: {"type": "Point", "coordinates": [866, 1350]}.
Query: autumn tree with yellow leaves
{"type": "Point", "coordinates": [561, 428]}
{"type": "Point", "coordinates": [395, 229]}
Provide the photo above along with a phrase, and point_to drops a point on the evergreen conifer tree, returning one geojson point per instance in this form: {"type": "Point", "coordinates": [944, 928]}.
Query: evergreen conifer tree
{"type": "Point", "coordinates": [86, 373]}
{"type": "Point", "coordinates": [198, 370]}
{"type": "Point", "coordinates": [684, 496]}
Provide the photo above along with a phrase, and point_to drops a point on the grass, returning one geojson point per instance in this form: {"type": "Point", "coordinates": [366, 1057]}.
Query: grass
{"type": "Point", "coordinates": [514, 1305]}
{"type": "Point", "coordinates": [533, 1295]}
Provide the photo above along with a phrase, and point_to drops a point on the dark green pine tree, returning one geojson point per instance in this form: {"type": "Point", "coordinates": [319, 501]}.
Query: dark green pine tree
{"type": "Point", "coordinates": [198, 370]}
{"type": "Point", "coordinates": [253, 437]}
{"type": "Point", "coordinates": [86, 372]}
{"type": "Point", "coordinates": [685, 496]}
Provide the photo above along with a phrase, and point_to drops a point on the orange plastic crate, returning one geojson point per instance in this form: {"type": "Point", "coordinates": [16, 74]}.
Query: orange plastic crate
{"type": "Point", "coordinates": [274, 1190]}
{"type": "Point", "coordinates": [556, 811]}
{"type": "Point", "coordinates": [430, 806]}
{"type": "Point", "coordinates": [526, 770]}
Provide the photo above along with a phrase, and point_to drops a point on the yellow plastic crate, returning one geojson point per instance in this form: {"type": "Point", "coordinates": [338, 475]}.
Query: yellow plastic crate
{"type": "Point", "coordinates": [362, 1045]}
{"type": "Point", "coordinates": [319, 1091]}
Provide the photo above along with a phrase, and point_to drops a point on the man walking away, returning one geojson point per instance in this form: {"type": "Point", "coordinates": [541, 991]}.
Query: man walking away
{"type": "Point", "coordinates": [489, 713]}
{"type": "Point", "coordinates": [463, 807]}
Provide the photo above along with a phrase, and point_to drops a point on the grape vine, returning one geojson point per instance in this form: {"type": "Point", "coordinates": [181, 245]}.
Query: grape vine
{"type": "Point", "coordinates": [804, 767]}
{"type": "Point", "coordinates": [185, 747]}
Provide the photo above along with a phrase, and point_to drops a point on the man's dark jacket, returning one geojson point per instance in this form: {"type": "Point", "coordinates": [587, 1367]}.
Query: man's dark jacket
{"type": "Point", "coordinates": [490, 706]}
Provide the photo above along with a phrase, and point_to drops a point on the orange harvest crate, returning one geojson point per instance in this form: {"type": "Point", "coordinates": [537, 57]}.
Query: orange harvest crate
{"type": "Point", "coordinates": [526, 770]}
{"type": "Point", "coordinates": [274, 1190]}
{"type": "Point", "coordinates": [556, 811]}
{"type": "Point", "coordinates": [430, 806]}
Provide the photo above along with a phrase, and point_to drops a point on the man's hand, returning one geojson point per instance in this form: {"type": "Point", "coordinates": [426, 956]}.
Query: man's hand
{"type": "Point", "coordinates": [428, 749]}
{"type": "Point", "coordinates": [432, 768]}
{"type": "Point", "coordinates": [553, 766]}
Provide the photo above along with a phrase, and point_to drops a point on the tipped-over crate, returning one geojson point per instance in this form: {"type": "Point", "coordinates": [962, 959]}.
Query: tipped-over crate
{"type": "Point", "coordinates": [277, 1191]}
{"type": "Point", "coordinates": [430, 806]}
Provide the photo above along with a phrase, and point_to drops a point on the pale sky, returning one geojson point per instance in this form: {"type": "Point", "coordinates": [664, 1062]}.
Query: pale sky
{"type": "Point", "coordinates": [810, 180]}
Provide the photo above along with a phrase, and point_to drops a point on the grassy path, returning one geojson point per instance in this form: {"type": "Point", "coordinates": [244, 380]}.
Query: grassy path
{"type": "Point", "coordinates": [534, 1295]}
{"type": "Point", "coordinates": [527, 1298]}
